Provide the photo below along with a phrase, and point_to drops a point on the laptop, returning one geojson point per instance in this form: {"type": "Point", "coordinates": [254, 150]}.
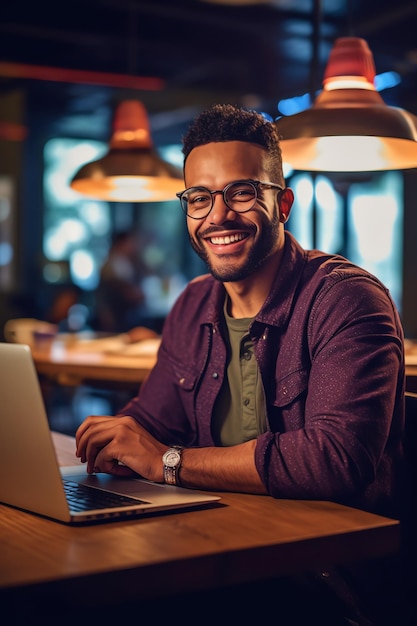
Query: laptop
{"type": "Point", "coordinates": [31, 478]}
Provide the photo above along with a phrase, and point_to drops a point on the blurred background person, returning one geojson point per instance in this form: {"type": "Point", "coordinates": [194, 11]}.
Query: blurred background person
{"type": "Point", "coordinates": [120, 298]}
{"type": "Point", "coordinates": [68, 311]}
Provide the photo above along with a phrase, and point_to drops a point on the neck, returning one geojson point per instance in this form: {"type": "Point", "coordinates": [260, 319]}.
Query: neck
{"type": "Point", "coordinates": [248, 296]}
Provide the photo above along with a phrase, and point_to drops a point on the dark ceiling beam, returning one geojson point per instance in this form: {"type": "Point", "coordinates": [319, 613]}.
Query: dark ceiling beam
{"type": "Point", "coordinates": [387, 18]}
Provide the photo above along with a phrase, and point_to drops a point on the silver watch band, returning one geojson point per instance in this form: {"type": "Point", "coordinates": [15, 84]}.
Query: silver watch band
{"type": "Point", "coordinates": [171, 475]}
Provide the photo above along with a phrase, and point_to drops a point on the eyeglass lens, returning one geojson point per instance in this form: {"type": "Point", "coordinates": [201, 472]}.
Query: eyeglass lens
{"type": "Point", "coordinates": [240, 197]}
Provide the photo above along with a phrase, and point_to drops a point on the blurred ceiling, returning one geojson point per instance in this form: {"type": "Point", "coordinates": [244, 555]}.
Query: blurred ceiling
{"type": "Point", "coordinates": [199, 51]}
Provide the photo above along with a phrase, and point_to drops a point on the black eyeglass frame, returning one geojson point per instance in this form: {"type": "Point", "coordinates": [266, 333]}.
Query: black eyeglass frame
{"type": "Point", "coordinates": [254, 183]}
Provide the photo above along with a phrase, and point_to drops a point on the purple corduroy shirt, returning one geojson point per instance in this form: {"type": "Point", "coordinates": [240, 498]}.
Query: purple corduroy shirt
{"type": "Point", "coordinates": [329, 346]}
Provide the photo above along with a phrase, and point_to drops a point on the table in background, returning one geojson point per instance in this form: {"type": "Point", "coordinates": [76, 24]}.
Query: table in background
{"type": "Point", "coordinates": [411, 364]}
{"type": "Point", "coordinates": [73, 360]}
{"type": "Point", "coordinates": [243, 538]}
{"type": "Point", "coordinates": [86, 373]}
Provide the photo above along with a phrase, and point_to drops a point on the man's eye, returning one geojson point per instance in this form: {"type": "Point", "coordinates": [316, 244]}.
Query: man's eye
{"type": "Point", "coordinates": [198, 199]}
{"type": "Point", "coordinates": [241, 195]}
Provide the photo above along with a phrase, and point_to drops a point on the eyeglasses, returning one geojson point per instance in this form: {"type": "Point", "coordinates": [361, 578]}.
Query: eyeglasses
{"type": "Point", "coordinates": [240, 196]}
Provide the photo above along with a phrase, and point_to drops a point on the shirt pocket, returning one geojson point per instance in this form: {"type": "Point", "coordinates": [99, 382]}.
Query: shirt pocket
{"type": "Point", "coordinates": [184, 375]}
{"type": "Point", "coordinates": [290, 388]}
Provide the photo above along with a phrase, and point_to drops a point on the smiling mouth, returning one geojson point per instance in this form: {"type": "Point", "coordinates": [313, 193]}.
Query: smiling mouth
{"type": "Point", "coordinates": [227, 239]}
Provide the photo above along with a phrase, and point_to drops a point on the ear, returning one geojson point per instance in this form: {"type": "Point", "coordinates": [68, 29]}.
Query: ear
{"type": "Point", "coordinates": [285, 201]}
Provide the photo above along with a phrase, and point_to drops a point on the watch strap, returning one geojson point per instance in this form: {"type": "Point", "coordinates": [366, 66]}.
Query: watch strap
{"type": "Point", "coordinates": [170, 475]}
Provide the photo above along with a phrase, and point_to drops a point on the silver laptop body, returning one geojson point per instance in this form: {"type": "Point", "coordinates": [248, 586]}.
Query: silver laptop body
{"type": "Point", "coordinates": [31, 478]}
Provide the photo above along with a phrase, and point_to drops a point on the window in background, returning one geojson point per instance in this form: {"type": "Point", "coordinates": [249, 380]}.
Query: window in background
{"type": "Point", "coordinates": [78, 231]}
{"type": "Point", "coordinates": [376, 229]}
{"type": "Point", "coordinates": [329, 213]}
{"type": "Point", "coordinates": [363, 221]}
{"type": "Point", "coordinates": [75, 229]}
{"type": "Point", "coordinates": [7, 246]}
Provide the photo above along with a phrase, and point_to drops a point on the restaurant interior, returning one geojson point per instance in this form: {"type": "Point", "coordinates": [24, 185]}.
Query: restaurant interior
{"type": "Point", "coordinates": [65, 76]}
{"type": "Point", "coordinates": [76, 79]}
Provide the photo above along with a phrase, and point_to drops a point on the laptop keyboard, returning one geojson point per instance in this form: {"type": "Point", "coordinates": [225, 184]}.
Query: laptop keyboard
{"type": "Point", "coordinates": [85, 498]}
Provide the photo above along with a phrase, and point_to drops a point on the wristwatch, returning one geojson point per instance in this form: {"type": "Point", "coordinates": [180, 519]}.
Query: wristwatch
{"type": "Point", "coordinates": [172, 463]}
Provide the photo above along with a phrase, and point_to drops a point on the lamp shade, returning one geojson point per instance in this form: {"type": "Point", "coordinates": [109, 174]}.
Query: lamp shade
{"type": "Point", "coordinates": [131, 171]}
{"type": "Point", "coordinates": [349, 128]}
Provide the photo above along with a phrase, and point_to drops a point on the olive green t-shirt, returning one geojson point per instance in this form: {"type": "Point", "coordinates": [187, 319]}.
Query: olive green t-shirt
{"type": "Point", "coordinates": [239, 412]}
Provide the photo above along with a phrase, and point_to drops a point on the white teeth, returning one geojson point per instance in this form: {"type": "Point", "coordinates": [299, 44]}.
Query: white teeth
{"type": "Point", "coordinates": [225, 240]}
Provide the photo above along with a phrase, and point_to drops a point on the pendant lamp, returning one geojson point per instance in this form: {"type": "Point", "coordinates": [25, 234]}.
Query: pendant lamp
{"type": "Point", "coordinates": [349, 128]}
{"type": "Point", "coordinates": [131, 171]}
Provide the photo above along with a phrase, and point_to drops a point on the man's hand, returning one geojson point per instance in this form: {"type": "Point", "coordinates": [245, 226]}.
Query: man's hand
{"type": "Point", "coordinates": [119, 446]}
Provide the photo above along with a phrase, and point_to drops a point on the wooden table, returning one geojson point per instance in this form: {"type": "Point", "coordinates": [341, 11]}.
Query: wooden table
{"type": "Point", "coordinates": [244, 538]}
{"type": "Point", "coordinates": [411, 364]}
{"type": "Point", "coordinates": [72, 361]}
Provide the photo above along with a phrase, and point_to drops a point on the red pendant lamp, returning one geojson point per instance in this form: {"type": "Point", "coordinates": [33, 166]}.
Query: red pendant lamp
{"type": "Point", "coordinates": [349, 128]}
{"type": "Point", "coordinates": [131, 171]}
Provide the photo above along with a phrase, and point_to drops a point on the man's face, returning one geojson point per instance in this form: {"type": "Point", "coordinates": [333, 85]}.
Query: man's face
{"type": "Point", "coordinates": [233, 245]}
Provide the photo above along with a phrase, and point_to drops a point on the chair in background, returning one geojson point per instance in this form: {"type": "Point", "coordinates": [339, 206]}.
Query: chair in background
{"type": "Point", "coordinates": [26, 329]}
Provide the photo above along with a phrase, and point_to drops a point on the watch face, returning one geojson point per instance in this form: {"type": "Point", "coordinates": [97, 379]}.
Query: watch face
{"type": "Point", "coordinates": [172, 458]}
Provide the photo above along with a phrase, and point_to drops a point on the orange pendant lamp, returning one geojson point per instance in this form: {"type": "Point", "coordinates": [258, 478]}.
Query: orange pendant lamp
{"type": "Point", "coordinates": [131, 171]}
{"type": "Point", "coordinates": [349, 128]}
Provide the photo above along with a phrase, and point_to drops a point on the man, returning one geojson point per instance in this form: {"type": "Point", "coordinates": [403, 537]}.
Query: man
{"type": "Point", "coordinates": [281, 372]}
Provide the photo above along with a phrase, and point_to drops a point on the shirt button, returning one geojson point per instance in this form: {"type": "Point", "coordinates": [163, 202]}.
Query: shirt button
{"type": "Point", "coordinates": [214, 375]}
{"type": "Point", "coordinates": [246, 401]}
{"type": "Point", "coordinates": [247, 356]}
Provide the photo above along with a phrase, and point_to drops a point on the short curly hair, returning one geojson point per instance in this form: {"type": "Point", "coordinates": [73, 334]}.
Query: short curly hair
{"type": "Point", "coordinates": [227, 122]}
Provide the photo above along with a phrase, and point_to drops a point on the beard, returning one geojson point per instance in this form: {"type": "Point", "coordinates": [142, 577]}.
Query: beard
{"type": "Point", "coordinates": [226, 271]}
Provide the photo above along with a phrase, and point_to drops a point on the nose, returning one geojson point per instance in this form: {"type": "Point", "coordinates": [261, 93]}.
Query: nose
{"type": "Point", "coordinates": [220, 212]}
